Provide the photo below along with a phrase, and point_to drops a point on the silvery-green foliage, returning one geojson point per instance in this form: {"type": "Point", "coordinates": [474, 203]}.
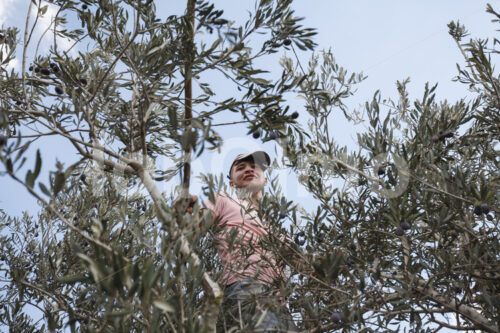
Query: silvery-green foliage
{"type": "Point", "coordinates": [399, 235]}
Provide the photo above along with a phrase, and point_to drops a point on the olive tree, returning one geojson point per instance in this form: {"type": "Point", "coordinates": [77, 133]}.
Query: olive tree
{"type": "Point", "coordinates": [409, 240]}
{"type": "Point", "coordinates": [102, 254]}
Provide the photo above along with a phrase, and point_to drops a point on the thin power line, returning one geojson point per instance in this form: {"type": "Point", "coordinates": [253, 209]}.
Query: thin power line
{"type": "Point", "coordinates": [412, 45]}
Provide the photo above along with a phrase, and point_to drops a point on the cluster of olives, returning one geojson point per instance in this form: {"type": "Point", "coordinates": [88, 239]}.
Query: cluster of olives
{"type": "Point", "coordinates": [482, 209]}
{"type": "Point", "coordinates": [53, 68]}
{"type": "Point", "coordinates": [402, 228]}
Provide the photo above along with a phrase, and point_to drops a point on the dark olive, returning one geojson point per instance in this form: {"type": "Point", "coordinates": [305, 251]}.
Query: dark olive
{"type": "Point", "coordinates": [485, 208]}
{"type": "Point", "coordinates": [399, 231]}
{"type": "Point", "coordinates": [295, 115]}
{"type": "Point", "coordinates": [447, 135]}
{"type": "Point", "coordinates": [336, 318]}
{"type": "Point", "coordinates": [405, 225]}
{"type": "Point", "coordinates": [320, 238]}
{"type": "Point", "coordinates": [287, 42]}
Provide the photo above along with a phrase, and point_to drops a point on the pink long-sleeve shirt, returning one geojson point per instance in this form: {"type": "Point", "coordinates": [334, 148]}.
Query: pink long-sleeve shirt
{"type": "Point", "coordinates": [242, 256]}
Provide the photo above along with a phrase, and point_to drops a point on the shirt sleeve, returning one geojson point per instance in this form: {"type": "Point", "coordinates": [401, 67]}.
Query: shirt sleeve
{"type": "Point", "coordinates": [216, 207]}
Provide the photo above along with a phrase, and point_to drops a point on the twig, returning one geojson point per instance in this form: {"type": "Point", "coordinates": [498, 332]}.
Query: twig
{"type": "Point", "coordinates": [25, 46]}
{"type": "Point", "coordinates": [231, 123]}
{"type": "Point", "coordinates": [132, 38]}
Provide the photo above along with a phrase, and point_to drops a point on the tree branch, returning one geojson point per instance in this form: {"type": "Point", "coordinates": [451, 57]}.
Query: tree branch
{"type": "Point", "coordinates": [450, 304]}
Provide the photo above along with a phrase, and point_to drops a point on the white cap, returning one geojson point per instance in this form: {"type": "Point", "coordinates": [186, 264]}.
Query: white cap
{"type": "Point", "coordinates": [260, 157]}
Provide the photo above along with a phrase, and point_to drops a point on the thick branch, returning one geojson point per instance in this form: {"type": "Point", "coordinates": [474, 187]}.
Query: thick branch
{"type": "Point", "coordinates": [450, 304]}
{"type": "Point", "coordinates": [210, 286]}
{"type": "Point", "coordinates": [188, 87]}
